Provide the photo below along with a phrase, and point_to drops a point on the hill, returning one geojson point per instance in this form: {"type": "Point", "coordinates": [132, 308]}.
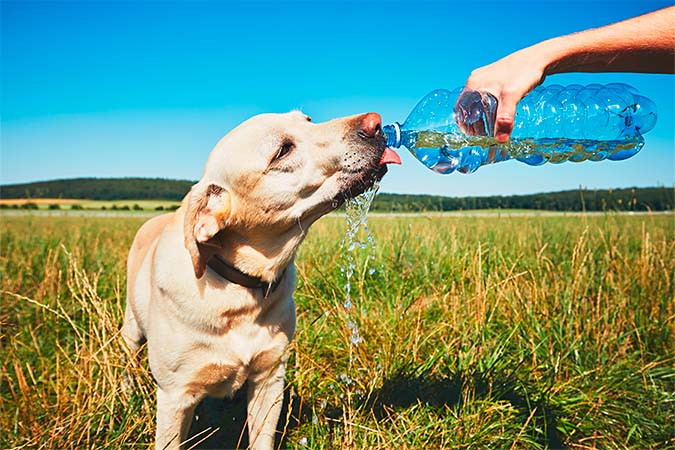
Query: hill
{"type": "Point", "coordinates": [100, 189]}
{"type": "Point", "coordinates": [629, 199]}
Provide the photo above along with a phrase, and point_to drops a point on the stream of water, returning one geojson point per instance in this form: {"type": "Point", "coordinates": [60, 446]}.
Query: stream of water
{"type": "Point", "coordinates": [357, 237]}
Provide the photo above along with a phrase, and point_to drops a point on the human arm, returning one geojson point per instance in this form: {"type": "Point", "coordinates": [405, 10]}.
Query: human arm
{"type": "Point", "coordinates": [642, 44]}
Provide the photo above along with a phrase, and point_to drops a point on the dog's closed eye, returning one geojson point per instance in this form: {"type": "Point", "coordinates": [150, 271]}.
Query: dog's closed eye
{"type": "Point", "coordinates": [285, 148]}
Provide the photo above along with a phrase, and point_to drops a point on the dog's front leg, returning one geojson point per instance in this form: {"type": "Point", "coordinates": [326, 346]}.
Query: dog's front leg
{"type": "Point", "coordinates": [265, 398]}
{"type": "Point", "coordinates": [174, 414]}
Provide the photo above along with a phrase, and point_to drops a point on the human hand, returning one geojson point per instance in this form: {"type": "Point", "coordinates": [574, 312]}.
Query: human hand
{"type": "Point", "coordinates": [508, 80]}
{"type": "Point", "coordinates": [640, 44]}
{"type": "Point", "coordinates": [475, 112]}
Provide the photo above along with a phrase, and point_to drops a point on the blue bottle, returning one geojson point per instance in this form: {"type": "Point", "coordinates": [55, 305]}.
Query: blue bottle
{"type": "Point", "coordinates": [552, 124]}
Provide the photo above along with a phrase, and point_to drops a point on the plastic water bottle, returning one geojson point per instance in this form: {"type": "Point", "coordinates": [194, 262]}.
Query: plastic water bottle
{"type": "Point", "coordinates": [552, 124]}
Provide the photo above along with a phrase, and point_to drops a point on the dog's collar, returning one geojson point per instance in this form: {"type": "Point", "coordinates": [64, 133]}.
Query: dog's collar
{"type": "Point", "coordinates": [218, 264]}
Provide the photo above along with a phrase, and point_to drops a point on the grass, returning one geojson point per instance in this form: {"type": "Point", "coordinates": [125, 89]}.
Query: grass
{"type": "Point", "coordinates": [498, 332]}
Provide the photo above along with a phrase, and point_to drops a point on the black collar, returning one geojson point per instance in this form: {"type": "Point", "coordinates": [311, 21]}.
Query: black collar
{"type": "Point", "coordinates": [218, 264]}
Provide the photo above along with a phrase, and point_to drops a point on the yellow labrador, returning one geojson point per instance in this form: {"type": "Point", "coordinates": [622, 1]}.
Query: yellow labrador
{"type": "Point", "coordinates": [210, 286]}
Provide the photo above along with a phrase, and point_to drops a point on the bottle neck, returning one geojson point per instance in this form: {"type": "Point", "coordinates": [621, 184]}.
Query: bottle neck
{"type": "Point", "coordinates": [393, 134]}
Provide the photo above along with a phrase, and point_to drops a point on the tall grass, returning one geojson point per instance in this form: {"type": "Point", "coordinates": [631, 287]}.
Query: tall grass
{"type": "Point", "coordinates": [478, 333]}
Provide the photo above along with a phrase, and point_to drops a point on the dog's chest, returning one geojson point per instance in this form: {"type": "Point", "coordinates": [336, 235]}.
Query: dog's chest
{"type": "Point", "coordinates": [222, 364]}
{"type": "Point", "coordinates": [221, 334]}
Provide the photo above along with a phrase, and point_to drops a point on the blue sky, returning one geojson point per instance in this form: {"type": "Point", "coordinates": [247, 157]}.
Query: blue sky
{"type": "Point", "coordinates": [120, 89]}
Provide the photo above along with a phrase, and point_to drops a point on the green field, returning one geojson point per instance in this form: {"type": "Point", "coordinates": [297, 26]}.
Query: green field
{"type": "Point", "coordinates": [481, 333]}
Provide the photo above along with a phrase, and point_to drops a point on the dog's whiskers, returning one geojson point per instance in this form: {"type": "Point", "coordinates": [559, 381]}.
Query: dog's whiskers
{"type": "Point", "coordinates": [302, 230]}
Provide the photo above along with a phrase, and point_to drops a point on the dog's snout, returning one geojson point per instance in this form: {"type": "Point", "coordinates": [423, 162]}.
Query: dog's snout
{"type": "Point", "coordinates": [370, 125]}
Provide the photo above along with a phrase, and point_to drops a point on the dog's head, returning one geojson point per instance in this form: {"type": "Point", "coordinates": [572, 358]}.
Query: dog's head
{"type": "Point", "coordinates": [271, 177]}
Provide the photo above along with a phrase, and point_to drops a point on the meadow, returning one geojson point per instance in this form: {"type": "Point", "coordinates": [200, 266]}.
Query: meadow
{"type": "Point", "coordinates": [478, 333]}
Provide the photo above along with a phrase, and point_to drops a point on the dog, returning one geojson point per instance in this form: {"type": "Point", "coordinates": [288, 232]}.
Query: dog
{"type": "Point", "coordinates": [210, 286]}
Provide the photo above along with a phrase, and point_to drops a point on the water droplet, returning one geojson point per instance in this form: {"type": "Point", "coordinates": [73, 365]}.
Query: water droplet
{"type": "Point", "coordinates": [355, 339]}
{"type": "Point", "coordinates": [345, 379]}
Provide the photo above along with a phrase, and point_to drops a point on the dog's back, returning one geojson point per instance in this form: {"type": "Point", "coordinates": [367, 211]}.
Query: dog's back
{"type": "Point", "coordinates": [144, 241]}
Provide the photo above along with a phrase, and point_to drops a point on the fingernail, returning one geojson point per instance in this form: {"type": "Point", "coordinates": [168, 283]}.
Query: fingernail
{"type": "Point", "coordinates": [502, 137]}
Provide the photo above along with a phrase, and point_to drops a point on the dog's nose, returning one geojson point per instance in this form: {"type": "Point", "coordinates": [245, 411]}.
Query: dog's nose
{"type": "Point", "coordinates": [371, 124]}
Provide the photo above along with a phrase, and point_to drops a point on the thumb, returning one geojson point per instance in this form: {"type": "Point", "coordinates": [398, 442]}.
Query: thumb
{"type": "Point", "coordinates": [506, 110]}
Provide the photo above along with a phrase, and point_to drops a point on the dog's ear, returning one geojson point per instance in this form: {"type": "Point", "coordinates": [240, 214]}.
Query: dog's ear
{"type": "Point", "coordinates": [207, 212]}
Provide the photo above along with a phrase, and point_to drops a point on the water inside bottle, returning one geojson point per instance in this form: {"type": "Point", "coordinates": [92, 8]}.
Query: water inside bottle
{"type": "Point", "coordinates": [446, 152]}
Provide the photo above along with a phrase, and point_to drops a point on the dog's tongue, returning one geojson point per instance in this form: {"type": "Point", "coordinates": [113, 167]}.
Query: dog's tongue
{"type": "Point", "coordinates": [390, 157]}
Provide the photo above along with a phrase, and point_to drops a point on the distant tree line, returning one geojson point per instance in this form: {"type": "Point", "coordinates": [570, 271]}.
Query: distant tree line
{"type": "Point", "coordinates": [101, 189]}
{"type": "Point", "coordinates": [77, 207]}
{"type": "Point", "coordinates": [629, 199]}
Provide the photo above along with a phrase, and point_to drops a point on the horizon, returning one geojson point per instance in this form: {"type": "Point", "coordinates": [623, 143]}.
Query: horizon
{"type": "Point", "coordinates": [126, 90]}
{"type": "Point", "coordinates": [578, 188]}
